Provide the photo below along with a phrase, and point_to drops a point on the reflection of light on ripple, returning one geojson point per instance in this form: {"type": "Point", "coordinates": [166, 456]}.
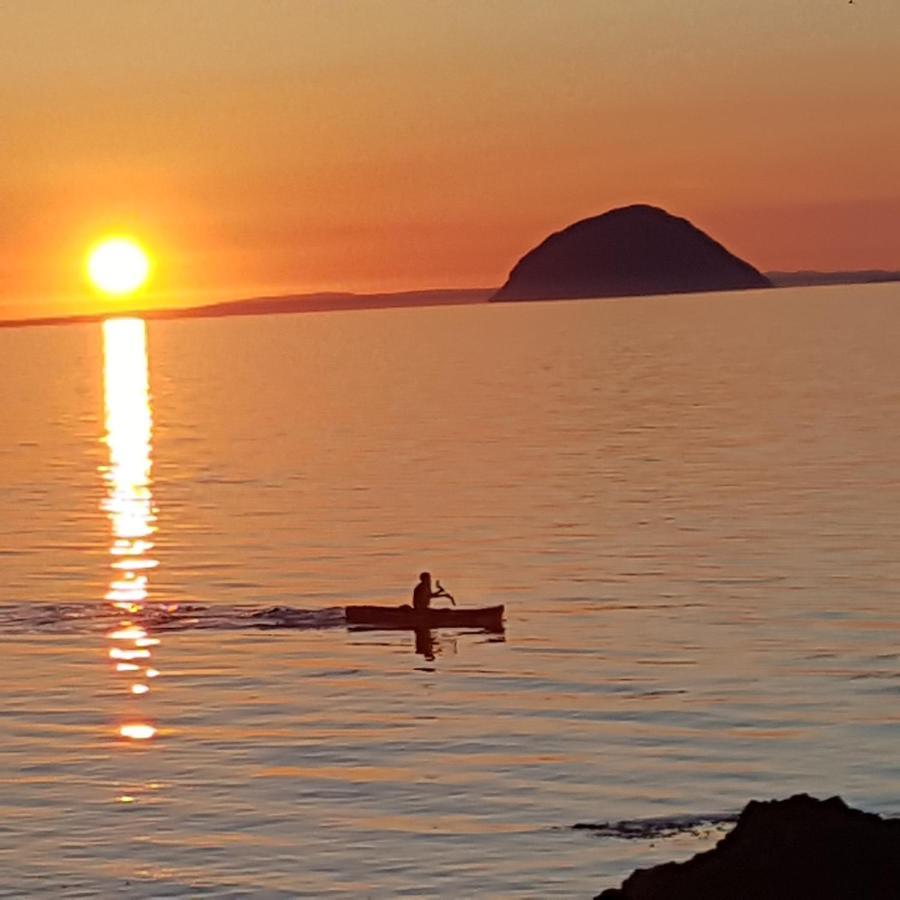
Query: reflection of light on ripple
{"type": "Point", "coordinates": [128, 501]}
{"type": "Point", "coordinates": [128, 607]}
{"type": "Point", "coordinates": [128, 633]}
{"type": "Point", "coordinates": [134, 565]}
{"type": "Point", "coordinates": [119, 653]}
{"type": "Point", "coordinates": [137, 731]}
{"type": "Point", "coordinates": [131, 548]}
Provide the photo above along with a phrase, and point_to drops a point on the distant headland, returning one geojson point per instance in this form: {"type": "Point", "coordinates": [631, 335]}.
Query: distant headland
{"type": "Point", "coordinates": [626, 252]}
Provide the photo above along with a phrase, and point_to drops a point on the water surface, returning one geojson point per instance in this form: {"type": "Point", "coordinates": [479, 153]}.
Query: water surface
{"type": "Point", "coordinates": [689, 506]}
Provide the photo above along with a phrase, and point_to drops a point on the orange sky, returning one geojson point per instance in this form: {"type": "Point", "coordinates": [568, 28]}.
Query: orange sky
{"type": "Point", "coordinates": [291, 145]}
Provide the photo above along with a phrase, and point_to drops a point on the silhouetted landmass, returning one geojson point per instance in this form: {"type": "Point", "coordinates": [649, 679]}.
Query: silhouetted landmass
{"type": "Point", "coordinates": [810, 278]}
{"type": "Point", "coordinates": [329, 302]}
{"type": "Point", "coordinates": [651, 252]}
{"type": "Point", "coordinates": [784, 850]}
{"type": "Point", "coordinates": [289, 303]}
{"type": "Point", "coordinates": [626, 252]}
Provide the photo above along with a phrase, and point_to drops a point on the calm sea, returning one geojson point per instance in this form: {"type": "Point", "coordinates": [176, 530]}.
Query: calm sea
{"type": "Point", "coordinates": [690, 507]}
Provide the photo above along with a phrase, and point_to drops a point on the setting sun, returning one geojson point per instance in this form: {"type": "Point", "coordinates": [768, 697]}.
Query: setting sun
{"type": "Point", "coordinates": [118, 266]}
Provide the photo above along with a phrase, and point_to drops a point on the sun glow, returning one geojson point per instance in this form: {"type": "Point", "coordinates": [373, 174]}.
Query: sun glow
{"type": "Point", "coordinates": [118, 266]}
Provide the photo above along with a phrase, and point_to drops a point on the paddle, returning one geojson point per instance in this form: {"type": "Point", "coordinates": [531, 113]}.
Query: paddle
{"type": "Point", "coordinates": [443, 593]}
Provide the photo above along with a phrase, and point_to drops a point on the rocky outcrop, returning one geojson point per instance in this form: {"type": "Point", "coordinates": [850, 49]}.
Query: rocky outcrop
{"type": "Point", "coordinates": [628, 251]}
{"type": "Point", "coordinates": [784, 850]}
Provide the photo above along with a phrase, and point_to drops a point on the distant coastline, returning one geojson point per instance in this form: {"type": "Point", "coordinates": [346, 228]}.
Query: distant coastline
{"type": "Point", "coordinates": [343, 301]}
{"type": "Point", "coordinates": [275, 305]}
{"type": "Point", "coordinates": [810, 278]}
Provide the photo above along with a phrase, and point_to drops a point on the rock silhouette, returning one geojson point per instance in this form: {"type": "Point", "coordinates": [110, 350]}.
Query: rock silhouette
{"type": "Point", "coordinates": [629, 251]}
{"type": "Point", "coordinates": [784, 850]}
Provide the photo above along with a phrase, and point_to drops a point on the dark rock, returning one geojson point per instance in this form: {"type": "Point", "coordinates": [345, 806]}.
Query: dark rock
{"type": "Point", "coordinates": [629, 251]}
{"type": "Point", "coordinates": [784, 850]}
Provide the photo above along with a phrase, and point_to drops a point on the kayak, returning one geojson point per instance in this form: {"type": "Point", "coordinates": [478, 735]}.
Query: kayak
{"type": "Point", "coordinates": [489, 618]}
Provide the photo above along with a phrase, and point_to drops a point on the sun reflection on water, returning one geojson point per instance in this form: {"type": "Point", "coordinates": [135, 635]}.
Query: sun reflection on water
{"type": "Point", "coordinates": [137, 731]}
{"type": "Point", "coordinates": [128, 503]}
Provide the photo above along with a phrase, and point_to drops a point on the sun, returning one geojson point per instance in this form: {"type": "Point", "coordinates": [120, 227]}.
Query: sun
{"type": "Point", "coordinates": [118, 266]}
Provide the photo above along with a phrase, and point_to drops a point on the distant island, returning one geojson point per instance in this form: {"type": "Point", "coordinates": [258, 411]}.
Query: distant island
{"type": "Point", "coordinates": [625, 252]}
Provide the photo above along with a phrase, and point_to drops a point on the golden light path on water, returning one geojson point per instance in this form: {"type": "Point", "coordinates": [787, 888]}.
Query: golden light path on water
{"type": "Point", "coordinates": [128, 503]}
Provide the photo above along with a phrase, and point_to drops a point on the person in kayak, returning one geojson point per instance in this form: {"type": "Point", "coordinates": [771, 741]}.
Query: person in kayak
{"type": "Point", "coordinates": [423, 594]}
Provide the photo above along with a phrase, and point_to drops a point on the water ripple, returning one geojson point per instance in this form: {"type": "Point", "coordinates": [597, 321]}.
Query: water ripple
{"type": "Point", "coordinates": [80, 618]}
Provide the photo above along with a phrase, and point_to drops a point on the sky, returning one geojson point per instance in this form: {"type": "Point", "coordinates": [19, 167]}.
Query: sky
{"type": "Point", "coordinates": [277, 146]}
